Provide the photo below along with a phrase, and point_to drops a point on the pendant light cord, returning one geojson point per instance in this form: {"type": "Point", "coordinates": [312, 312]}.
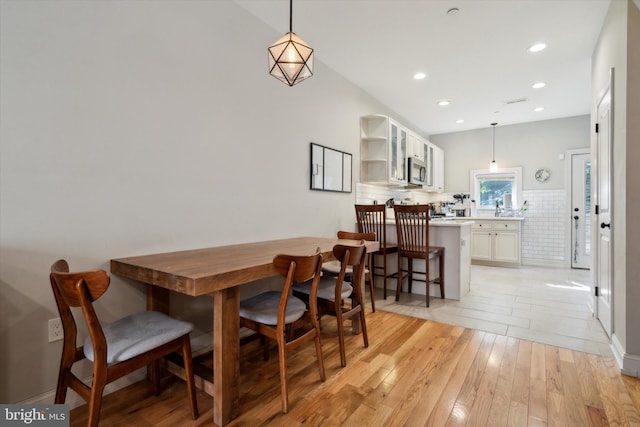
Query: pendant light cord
{"type": "Point", "coordinates": [494, 141]}
{"type": "Point", "coordinates": [494, 144]}
{"type": "Point", "coordinates": [291, 16]}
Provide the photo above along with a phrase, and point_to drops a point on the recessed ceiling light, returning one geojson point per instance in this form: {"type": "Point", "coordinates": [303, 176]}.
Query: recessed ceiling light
{"type": "Point", "coordinates": [459, 121]}
{"type": "Point", "coordinates": [539, 85]}
{"type": "Point", "coordinates": [419, 76]}
{"type": "Point", "coordinates": [538, 109]}
{"type": "Point", "coordinates": [537, 47]}
{"type": "Point", "coordinates": [444, 103]}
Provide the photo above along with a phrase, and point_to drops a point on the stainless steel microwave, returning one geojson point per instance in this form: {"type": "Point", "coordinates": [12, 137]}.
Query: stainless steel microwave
{"type": "Point", "coordinates": [417, 171]}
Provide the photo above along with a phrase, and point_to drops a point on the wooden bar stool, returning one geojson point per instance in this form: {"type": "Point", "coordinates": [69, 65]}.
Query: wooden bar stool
{"type": "Point", "coordinates": [372, 219]}
{"type": "Point", "coordinates": [412, 225]}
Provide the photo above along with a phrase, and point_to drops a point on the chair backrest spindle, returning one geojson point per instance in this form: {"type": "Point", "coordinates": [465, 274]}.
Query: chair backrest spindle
{"type": "Point", "coordinates": [412, 225]}
{"type": "Point", "coordinates": [372, 219]}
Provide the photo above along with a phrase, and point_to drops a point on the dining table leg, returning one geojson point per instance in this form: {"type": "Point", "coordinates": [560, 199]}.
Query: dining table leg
{"type": "Point", "coordinates": [226, 355]}
{"type": "Point", "coordinates": [157, 299]}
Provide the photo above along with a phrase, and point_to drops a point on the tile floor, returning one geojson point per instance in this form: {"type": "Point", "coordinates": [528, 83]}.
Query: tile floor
{"type": "Point", "coordinates": [546, 305]}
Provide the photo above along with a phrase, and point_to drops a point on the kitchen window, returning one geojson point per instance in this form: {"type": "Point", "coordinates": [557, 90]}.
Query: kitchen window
{"type": "Point", "coordinates": [491, 187]}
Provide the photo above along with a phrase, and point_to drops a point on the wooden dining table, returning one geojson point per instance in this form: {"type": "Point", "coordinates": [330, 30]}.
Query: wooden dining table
{"type": "Point", "coordinates": [219, 271]}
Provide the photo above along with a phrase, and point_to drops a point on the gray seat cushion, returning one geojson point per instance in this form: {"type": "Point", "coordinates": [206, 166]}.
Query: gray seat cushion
{"type": "Point", "coordinates": [333, 267]}
{"type": "Point", "coordinates": [138, 333]}
{"type": "Point", "coordinates": [263, 308]}
{"type": "Point", "coordinates": [326, 288]}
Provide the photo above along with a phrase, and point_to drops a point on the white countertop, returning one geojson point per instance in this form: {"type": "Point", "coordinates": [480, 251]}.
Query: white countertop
{"type": "Point", "coordinates": [488, 218]}
{"type": "Point", "coordinates": [460, 221]}
{"type": "Point", "coordinates": [445, 222]}
{"type": "Point", "coordinates": [450, 222]}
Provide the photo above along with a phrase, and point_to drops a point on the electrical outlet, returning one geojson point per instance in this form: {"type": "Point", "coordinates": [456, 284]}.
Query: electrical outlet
{"type": "Point", "coordinates": [55, 330]}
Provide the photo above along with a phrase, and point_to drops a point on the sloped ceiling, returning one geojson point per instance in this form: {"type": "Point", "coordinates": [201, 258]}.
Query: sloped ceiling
{"type": "Point", "coordinates": [476, 58]}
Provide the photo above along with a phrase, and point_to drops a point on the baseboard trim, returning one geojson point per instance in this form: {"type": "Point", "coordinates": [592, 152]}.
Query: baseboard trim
{"type": "Point", "coordinates": [74, 400]}
{"type": "Point", "coordinates": [496, 263]}
{"type": "Point", "coordinates": [543, 262]}
{"type": "Point", "coordinates": [629, 364]}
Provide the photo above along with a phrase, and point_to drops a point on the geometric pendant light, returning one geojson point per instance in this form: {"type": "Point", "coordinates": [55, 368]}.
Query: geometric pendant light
{"type": "Point", "coordinates": [290, 57]}
{"type": "Point", "coordinates": [493, 166]}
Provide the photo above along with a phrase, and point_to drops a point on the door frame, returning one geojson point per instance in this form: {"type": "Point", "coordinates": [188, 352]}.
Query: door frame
{"type": "Point", "coordinates": [568, 169]}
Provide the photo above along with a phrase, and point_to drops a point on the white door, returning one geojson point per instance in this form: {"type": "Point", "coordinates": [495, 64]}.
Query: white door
{"type": "Point", "coordinates": [604, 255]}
{"type": "Point", "coordinates": [580, 211]}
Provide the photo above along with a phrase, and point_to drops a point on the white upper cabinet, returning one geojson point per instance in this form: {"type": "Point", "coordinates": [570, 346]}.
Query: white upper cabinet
{"type": "Point", "coordinates": [399, 138]}
{"type": "Point", "coordinates": [416, 146]}
{"type": "Point", "coordinates": [434, 159]}
{"type": "Point", "coordinates": [383, 150]}
{"type": "Point", "coordinates": [385, 146]}
{"type": "Point", "coordinates": [438, 169]}
{"type": "Point", "coordinates": [428, 159]}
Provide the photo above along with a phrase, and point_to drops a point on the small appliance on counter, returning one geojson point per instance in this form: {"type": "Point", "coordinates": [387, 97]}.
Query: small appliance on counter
{"type": "Point", "coordinates": [461, 211]}
{"type": "Point", "coordinates": [445, 208]}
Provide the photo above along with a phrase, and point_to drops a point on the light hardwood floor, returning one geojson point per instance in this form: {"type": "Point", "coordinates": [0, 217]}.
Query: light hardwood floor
{"type": "Point", "coordinates": [415, 372]}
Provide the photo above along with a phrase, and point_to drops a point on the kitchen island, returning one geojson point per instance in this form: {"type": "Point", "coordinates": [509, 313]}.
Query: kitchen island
{"type": "Point", "coordinates": [455, 237]}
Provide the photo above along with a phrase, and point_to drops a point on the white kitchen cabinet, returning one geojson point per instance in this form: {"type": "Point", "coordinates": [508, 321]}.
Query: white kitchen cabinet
{"type": "Point", "coordinates": [434, 159]}
{"type": "Point", "coordinates": [385, 146]}
{"type": "Point", "coordinates": [416, 147]}
{"type": "Point", "coordinates": [398, 171]}
{"type": "Point", "coordinates": [507, 246]}
{"type": "Point", "coordinates": [383, 150]}
{"type": "Point", "coordinates": [496, 241]}
{"type": "Point", "coordinates": [482, 241]}
{"type": "Point", "coordinates": [438, 169]}
{"type": "Point", "coordinates": [428, 156]}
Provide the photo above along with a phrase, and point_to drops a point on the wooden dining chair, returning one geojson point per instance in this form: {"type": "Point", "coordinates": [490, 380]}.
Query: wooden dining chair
{"type": "Point", "coordinates": [332, 268]}
{"type": "Point", "coordinates": [117, 348]}
{"type": "Point", "coordinates": [332, 291]}
{"type": "Point", "coordinates": [412, 226]}
{"type": "Point", "coordinates": [272, 313]}
{"type": "Point", "coordinates": [372, 219]}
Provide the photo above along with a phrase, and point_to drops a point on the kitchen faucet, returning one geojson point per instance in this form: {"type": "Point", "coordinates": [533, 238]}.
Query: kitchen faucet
{"type": "Point", "coordinates": [497, 207]}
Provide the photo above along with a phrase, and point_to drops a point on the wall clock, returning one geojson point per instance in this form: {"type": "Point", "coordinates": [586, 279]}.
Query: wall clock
{"type": "Point", "coordinates": [543, 175]}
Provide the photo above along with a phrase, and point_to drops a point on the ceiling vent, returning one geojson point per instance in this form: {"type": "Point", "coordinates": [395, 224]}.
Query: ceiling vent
{"type": "Point", "coordinates": [515, 101]}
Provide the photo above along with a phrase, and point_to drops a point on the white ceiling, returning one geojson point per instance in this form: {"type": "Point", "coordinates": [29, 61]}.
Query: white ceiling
{"type": "Point", "coordinates": [477, 58]}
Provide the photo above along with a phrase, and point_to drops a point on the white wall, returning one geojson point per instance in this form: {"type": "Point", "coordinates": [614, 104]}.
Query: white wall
{"type": "Point", "coordinates": [141, 127]}
{"type": "Point", "coordinates": [619, 47]}
{"type": "Point", "coordinates": [632, 225]}
{"type": "Point", "coordinates": [531, 145]}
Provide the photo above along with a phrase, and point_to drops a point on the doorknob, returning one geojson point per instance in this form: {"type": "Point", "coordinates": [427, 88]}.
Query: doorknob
{"type": "Point", "coordinates": [576, 217]}
{"type": "Point", "coordinates": [603, 225]}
